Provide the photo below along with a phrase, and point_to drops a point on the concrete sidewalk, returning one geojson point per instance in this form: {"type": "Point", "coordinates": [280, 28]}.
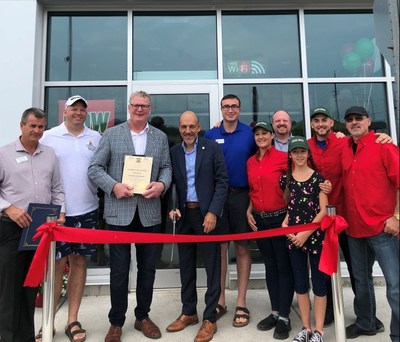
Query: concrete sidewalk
{"type": "Point", "coordinates": [166, 308]}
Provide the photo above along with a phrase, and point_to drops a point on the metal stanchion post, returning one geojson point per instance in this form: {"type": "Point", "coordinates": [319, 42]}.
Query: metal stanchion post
{"type": "Point", "coordinates": [337, 294]}
{"type": "Point", "coordinates": [48, 291]}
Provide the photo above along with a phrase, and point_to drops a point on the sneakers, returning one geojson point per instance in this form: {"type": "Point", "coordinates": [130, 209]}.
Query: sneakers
{"type": "Point", "coordinates": [302, 336]}
{"type": "Point", "coordinates": [316, 337]}
{"type": "Point", "coordinates": [267, 323]}
{"type": "Point", "coordinates": [282, 330]}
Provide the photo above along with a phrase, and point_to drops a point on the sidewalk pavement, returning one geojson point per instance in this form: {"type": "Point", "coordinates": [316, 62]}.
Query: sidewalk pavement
{"type": "Point", "coordinates": [166, 308]}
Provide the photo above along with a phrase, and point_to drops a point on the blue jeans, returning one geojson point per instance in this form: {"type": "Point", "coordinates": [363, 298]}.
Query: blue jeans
{"type": "Point", "coordinates": [278, 270]}
{"type": "Point", "coordinates": [363, 251]}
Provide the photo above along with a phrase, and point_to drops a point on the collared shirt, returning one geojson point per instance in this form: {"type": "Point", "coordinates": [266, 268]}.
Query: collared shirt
{"type": "Point", "coordinates": [281, 145]}
{"type": "Point", "coordinates": [237, 146]}
{"type": "Point", "coordinates": [74, 154]}
{"type": "Point", "coordinates": [328, 162]}
{"type": "Point", "coordinates": [371, 182]}
{"type": "Point", "coordinates": [265, 191]}
{"type": "Point", "coordinates": [140, 140]}
{"type": "Point", "coordinates": [26, 178]}
{"type": "Point", "coordinates": [190, 159]}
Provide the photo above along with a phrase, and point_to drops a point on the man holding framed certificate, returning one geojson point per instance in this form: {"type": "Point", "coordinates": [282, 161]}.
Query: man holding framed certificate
{"type": "Point", "coordinates": [127, 208]}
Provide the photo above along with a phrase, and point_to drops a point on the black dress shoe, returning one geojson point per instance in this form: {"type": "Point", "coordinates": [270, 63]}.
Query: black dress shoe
{"type": "Point", "coordinates": [353, 331]}
{"type": "Point", "coordinates": [267, 323]}
{"type": "Point", "coordinates": [379, 326]}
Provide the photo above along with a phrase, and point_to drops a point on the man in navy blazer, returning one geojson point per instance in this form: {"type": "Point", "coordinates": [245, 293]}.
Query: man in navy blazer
{"type": "Point", "coordinates": [201, 179]}
{"type": "Point", "coordinates": [124, 211]}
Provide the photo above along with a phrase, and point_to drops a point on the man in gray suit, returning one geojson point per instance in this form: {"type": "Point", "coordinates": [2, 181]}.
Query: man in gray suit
{"type": "Point", "coordinates": [124, 211]}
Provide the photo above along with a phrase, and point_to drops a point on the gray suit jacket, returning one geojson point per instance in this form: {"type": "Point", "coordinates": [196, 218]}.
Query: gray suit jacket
{"type": "Point", "coordinates": [105, 170]}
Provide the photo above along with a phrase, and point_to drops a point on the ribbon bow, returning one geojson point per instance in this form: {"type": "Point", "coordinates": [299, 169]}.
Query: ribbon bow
{"type": "Point", "coordinates": [333, 225]}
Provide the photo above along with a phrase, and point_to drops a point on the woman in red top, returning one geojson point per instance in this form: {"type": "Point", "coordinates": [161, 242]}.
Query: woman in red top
{"type": "Point", "coordinates": [267, 210]}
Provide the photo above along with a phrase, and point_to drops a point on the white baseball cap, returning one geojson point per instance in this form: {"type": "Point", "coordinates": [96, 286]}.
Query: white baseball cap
{"type": "Point", "coordinates": [73, 99]}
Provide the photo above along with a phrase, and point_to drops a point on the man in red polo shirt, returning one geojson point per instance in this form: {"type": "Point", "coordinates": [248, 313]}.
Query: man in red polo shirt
{"type": "Point", "coordinates": [371, 191]}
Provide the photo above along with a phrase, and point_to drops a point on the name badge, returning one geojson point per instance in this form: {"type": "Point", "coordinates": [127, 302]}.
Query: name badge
{"type": "Point", "coordinates": [22, 159]}
{"type": "Point", "coordinates": [220, 141]}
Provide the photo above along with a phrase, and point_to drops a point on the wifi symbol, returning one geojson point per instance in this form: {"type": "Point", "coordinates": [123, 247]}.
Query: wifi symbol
{"type": "Point", "coordinates": [257, 68]}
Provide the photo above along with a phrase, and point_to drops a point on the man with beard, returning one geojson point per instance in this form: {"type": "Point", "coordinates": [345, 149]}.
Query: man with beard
{"type": "Point", "coordinates": [282, 125]}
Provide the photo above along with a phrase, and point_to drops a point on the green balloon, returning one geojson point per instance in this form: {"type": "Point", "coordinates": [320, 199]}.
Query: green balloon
{"type": "Point", "coordinates": [365, 48]}
{"type": "Point", "coordinates": [351, 61]}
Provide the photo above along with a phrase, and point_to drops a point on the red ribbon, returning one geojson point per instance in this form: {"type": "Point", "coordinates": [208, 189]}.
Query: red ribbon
{"type": "Point", "coordinates": [51, 232]}
{"type": "Point", "coordinates": [333, 225]}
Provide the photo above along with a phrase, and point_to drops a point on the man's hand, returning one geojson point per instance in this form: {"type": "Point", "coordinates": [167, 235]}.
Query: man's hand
{"type": "Point", "coordinates": [122, 190]}
{"type": "Point", "coordinates": [326, 187]}
{"type": "Point", "coordinates": [210, 221]}
{"type": "Point", "coordinates": [339, 135]}
{"type": "Point", "coordinates": [61, 219]}
{"type": "Point", "coordinates": [154, 190]}
{"type": "Point", "coordinates": [175, 212]}
{"type": "Point", "coordinates": [251, 221]}
{"type": "Point", "coordinates": [383, 138]}
{"type": "Point", "coordinates": [18, 215]}
{"type": "Point", "coordinates": [391, 226]}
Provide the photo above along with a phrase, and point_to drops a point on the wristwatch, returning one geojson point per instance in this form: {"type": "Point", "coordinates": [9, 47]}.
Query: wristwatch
{"type": "Point", "coordinates": [397, 216]}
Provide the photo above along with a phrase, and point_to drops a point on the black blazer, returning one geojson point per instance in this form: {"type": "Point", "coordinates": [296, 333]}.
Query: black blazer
{"type": "Point", "coordinates": [211, 178]}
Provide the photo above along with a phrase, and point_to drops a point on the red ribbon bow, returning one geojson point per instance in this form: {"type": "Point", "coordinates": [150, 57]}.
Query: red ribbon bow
{"type": "Point", "coordinates": [333, 225]}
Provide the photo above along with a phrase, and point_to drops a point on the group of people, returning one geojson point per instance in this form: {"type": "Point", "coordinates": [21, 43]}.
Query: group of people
{"type": "Point", "coordinates": [235, 179]}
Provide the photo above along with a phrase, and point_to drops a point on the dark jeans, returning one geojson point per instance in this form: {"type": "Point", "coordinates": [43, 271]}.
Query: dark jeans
{"type": "Point", "coordinates": [278, 270]}
{"type": "Point", "coordinates": [120, 259]}
{"type": "Point", "coordinates": [17, 303]}
{"type": "Point", "coordinates": [211, 255]}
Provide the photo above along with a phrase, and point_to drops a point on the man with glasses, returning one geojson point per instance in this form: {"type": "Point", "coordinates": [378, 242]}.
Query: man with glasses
{"type": "Point", "coordinates": [371, 193]}
{"type": "Point", "coordinates": [237, 142]}
{"type": "Point", "coordinates": [126, 211]}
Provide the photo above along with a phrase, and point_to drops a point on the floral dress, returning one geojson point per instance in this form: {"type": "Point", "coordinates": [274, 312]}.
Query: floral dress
{"type": "Point", "coordinates": [303, 206]}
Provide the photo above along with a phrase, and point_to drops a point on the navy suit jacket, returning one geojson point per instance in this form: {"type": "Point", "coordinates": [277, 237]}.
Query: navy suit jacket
{"type": "Point", "coordinates": [211, 178]}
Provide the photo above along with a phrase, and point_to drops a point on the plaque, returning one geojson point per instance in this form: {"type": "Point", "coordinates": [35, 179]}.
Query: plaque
{"type": "Point", "coordinates": [38, 212]}
{"type": "Point", "coordinates": [137, 172]}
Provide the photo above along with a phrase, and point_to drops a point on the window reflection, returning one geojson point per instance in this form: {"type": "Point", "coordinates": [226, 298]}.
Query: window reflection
{"type": "Point", "coordinates": [341, 45]}
{"type": "Point", "coordinates": [86, 47]}
{"type": "Point", "coordinates": [174, 46]}
{"type": "Point", "coordinates": [338, 97]}
{"type": "Point", "coordinates": [260, 101]}
{"type": "Point", "coordinates": [260, 45]}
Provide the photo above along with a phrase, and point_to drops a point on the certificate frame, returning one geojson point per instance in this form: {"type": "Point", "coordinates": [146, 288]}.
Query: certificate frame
{"type": "Point", "coordinates": [38, 212]}
{"type": "Point", "coordinates": [137, 172]}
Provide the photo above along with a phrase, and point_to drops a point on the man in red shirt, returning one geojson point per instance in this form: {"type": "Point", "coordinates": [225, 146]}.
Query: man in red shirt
{"type": "Point", "coordinates": [371, 191]}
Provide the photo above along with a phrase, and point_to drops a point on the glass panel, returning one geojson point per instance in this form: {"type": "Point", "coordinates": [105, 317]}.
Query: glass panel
{"type": "Point", "coordinates": [165, 115]}
{"type": "Point", "coordinates": [341, 45]}
{"type": "Point", "coordinates": [260, 101]}
{"type": "Point", "coordinates": [86, 47]}
{"type": "Point", "coordinates": [338, 97]}
{"type": "Point", "coordinates": [260, 45]}
{"type": "Point", "coordinates": [106, 105]}
{"type": "Point", "coordinates": [161, 51]}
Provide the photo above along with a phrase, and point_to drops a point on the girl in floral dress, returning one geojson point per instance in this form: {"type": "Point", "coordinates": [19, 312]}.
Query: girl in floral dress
{"type": "Point", "coordinates": [306, 204]}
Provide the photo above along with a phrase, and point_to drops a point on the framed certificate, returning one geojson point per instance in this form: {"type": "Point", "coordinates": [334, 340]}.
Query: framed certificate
{"type": "Point", "coordinates": [38, 212]}
{"type": "Point", "coordinates": [137, 172]}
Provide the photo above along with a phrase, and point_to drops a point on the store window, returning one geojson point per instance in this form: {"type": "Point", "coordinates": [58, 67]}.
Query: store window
{"type": "Point", "coordinates": [86, 47]}
{"type": "Point", "coordinates": [260, 45]}
{"type": "Point", "coordinates": [338, 97]}
{"type": "Point", "coordinates": [179, 46]}
{"type": "Point", "coordinates": [260, 101]}
{"type": "Point", "coordinates": [341, 45]}
{"type": "Point", "coordinates": [107, 106]}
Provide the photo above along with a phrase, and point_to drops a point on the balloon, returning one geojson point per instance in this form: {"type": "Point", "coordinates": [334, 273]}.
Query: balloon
{"type": "Point", "coordinates": [365, 48]}
{"type": "Point", "coordinates": [351, 61]}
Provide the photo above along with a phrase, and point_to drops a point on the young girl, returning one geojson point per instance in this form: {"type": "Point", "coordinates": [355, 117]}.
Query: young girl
{"type": "Point", "coordinates": [306, 203]}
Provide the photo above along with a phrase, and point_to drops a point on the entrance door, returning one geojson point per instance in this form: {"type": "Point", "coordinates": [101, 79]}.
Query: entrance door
{"type": "Point", "coordinates": [168, 103]}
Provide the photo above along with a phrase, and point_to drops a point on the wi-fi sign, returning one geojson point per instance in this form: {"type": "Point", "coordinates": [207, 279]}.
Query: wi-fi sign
{"type": "Point", "coordinates": [257, 68]}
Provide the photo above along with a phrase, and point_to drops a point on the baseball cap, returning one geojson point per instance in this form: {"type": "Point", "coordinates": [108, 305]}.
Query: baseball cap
{"type": "Point", "coordinates": [73, 99]}
{"type": "Point", "coordinates": [298, 142]}
{"type": "Point", "coordinates": [321, 110]}
{"type": "Point", "coordinates": [356, 110]}
{"type": "Point", "coordinates": [262, 124]}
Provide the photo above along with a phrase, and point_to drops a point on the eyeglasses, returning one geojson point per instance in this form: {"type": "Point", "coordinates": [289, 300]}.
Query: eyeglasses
{"type": "Point", "coordinates": [137, 106]}
{"type": "Point", "coordinates": [233, 107]}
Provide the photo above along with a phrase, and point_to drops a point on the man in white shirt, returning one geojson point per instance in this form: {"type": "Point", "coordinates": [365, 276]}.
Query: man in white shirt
{"type": "Point", "coordinates": [74, 144]}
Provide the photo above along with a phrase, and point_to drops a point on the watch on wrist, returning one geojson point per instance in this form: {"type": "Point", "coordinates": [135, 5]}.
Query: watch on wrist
{"type": "Point", "coordinates": [397, 216]}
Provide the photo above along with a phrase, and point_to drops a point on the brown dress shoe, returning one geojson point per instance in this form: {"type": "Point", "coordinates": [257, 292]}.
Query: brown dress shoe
{"type": "Point", "coordinates": [114, 334]}
{"type": "Point", "coordinates": [206, 332]}
{"type": "Point", "coordinates": [148, 328]}
{"type": "Point", "coordinates": [182, 322]}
